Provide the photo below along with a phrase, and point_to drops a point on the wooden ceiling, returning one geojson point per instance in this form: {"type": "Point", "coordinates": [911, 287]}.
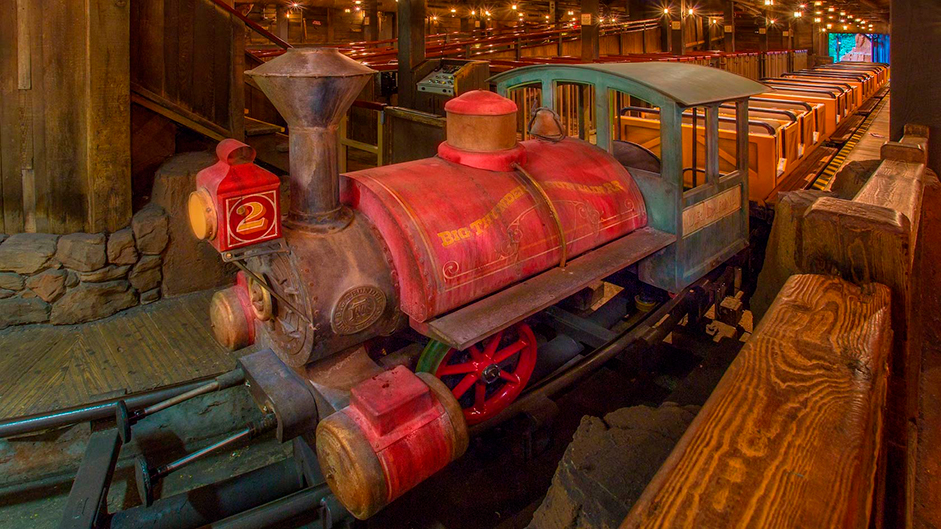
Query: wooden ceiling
{"type": "Point", "coordinates": [876, 11]}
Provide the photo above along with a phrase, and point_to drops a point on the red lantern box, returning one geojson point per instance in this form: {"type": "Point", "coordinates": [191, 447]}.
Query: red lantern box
{"type": "Point", "coordinates": [236, 203]}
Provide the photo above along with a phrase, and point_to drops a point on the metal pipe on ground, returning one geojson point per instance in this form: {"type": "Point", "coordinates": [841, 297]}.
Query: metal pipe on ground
{"type": "Point", "coordinates": [91, 412]}
{"type": "Point", "coordinates": [276, 513]}
{"type": "Point", "coordinates": [216, 501]}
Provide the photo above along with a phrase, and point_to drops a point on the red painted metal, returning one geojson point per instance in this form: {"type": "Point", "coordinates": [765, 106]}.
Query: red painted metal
{"type": "Point", "coordinates": [480, 103]}
{"type": "Point", "coordinates": [494, 387]}
{"type": "Point", "coordinates": [458, 233]}
{"type": "Point", "coordinates": [244, 196]}
{"type": "Point", "coordinates": [491, 161]}
{"type": "Point", "coordinates": [245, 302]}
{"type": "Point", "coordinates": [407, 428]}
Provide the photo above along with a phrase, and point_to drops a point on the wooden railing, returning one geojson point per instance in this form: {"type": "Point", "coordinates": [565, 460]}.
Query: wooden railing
{"type": "Point", "coordinates": [792, 435]}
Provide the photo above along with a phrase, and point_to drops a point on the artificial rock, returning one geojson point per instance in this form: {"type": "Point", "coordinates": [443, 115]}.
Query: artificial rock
{"type": "Point", "coordinates": [82, 251]}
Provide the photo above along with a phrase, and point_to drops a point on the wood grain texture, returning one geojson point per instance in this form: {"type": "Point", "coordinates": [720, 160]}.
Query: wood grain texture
{"type": "Point", "coordinates": [109, 116]}
{"type": "Point", "coordinates": [46, 367]}
{"type": "Point", "coordinates": [791, 435]}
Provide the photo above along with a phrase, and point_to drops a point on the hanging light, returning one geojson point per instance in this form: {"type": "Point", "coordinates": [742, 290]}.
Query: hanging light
{"type": "Point", "coordinates": [513, 7]}
{"type": "Point", "coordinates": [691, 11]}
{"type": "Point", "coordinates": [453, 10]}
{"type": "Point", "coordinates": [798, 14]}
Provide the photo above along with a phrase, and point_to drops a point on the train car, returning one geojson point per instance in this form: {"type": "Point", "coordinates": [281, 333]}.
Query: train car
{"type": "Point", "coordinates": [785, 125]}
{"type": "Point", "coordinates": [456, 253]}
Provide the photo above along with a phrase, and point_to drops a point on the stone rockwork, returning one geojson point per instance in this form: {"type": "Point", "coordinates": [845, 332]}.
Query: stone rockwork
{"type": "Point", "coordinates": [173, 183]}
{"type": "Point", "coordinates": [82, 277]}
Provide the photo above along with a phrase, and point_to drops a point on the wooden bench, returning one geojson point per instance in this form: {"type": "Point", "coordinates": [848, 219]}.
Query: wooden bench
{"type": "Point", "coordinates": [791, 436]}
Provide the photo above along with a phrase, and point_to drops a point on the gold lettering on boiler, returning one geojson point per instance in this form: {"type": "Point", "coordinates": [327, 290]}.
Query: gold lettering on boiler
{"type": "Point", "coordinates": [479, 226]}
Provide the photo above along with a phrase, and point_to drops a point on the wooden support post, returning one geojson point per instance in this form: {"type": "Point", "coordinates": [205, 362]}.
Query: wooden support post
{"type": "Point", "coordinates": [372, 20]}
{"type": "Point", "coordinates": [678, 30]}
{"type": "Point", "coordinates": [728, 25]}
{"type": "Point", "coordinates": [282, 22]}
{"type": "Point", "coordinates": [411, 24]}
{"type": "Point", "coordinates": [590, 39]}
{"type": "Point", "coordinates": [915, 45]}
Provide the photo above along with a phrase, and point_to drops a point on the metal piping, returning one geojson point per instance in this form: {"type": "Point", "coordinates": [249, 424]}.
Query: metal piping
{"type": "Point", "coordinates": [214, 501]}
{"type": "Point", "coordinates": [94, 411]}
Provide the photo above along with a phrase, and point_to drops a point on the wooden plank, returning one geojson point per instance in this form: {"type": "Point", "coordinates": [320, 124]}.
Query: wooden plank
{"type": "Point", "coordinates": [42, 186]}
{"type": "Point", "coordinates": [187, 45]}
{"type": "Point", "coordinates": [23, 60]}
{"type": "Point", "coordinates": [236, 121]}
{"type": "Point", "coordinates": [221, 46]}
{"type": "Point", "coordinates": [63, 121]}
{"type": "Point", "coordinates": [148, 53]}
{"type": "Point", "coordinates": [108, 119]}
{"type": "Point", "coordinates": [790, 437]}
{"type": "Point", "coordinates": [177, 113]}
{"type": "Point", "coordinates": [8, 26]}
{"type": "Point", "coordinates": [200, 94]}
{"type": "Point", "coordinates": [171, 48]}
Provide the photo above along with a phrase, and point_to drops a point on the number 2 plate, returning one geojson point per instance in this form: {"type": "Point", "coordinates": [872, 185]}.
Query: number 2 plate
{"type": "Point", "coordinates": [251, 219]}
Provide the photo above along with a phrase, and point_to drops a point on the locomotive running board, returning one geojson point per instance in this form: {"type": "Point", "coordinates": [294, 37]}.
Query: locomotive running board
{"type": "Point", "coordinates": [472, 323]}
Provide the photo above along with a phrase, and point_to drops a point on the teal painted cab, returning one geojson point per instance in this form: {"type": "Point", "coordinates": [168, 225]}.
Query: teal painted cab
{"type": "Point", "coordinates": [681, 105]}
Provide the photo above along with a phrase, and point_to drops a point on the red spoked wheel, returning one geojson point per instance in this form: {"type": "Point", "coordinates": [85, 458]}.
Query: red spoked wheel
{"type": "Point", "coordinates": [488, 376]}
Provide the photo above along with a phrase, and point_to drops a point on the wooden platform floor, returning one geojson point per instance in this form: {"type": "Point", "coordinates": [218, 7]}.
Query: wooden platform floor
{"type": "Point", "coordinates": [47, 367]}
{"type": "Point", "coordinates": [869, 146]}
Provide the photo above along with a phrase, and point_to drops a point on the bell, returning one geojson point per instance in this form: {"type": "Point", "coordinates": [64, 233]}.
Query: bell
{"type": "Point", "coordinates": [545, 125]}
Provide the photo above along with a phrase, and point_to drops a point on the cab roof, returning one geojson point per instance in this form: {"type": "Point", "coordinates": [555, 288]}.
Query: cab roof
{"type": "Point", "coordinates": [687, 84]}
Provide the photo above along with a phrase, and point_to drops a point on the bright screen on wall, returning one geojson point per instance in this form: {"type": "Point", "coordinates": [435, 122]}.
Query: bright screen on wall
{"type": "Point", "coordinates": [860, 47]}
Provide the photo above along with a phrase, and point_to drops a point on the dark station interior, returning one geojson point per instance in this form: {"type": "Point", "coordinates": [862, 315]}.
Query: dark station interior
{"type": "Point", "coordinates": [427, 264]}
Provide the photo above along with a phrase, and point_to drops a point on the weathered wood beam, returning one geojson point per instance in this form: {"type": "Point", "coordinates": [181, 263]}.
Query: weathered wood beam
{"type": "Point", "coordinates": [591, 49]}
{"type": "Point", "coordinates": [792, 434]}
{"type": "Point", "coordinates": [411, 53]}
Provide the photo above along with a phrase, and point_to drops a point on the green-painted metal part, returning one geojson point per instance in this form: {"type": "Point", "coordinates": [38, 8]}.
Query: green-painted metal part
{"type": "Point", "coordinates": [431, 357]}
{"type": "Point", "coordinates": [671, 87]}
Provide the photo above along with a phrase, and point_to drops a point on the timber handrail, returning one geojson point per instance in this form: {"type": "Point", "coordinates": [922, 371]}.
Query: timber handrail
{"type": "Point", "coordinates": [875, 237]}
{"type": "Point", "coordinates": [252, 24]}
{"type": "Point", "coordinates": [792, 434]}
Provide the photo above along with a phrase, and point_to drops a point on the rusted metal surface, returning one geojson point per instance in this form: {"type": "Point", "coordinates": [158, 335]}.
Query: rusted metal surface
{"type": "Point", "coordinates": [341, 284]}
{"type": "Point", "coordinates": [458, 233]}
{"type": "Point", "coordinates": [312, 88]}
{"type": "Point", "coordinates": [399, 429]}
{"type": "Point", "coordinates": [231, 315]}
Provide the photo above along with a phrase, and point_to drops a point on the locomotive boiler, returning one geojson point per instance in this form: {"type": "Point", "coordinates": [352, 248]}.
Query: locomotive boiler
{"type": "Point", "coordinates": [460, 248]}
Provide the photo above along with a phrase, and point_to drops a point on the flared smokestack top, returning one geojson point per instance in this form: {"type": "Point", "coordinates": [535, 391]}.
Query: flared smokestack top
{"type": "Point", "coordinates": [313, 88]}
